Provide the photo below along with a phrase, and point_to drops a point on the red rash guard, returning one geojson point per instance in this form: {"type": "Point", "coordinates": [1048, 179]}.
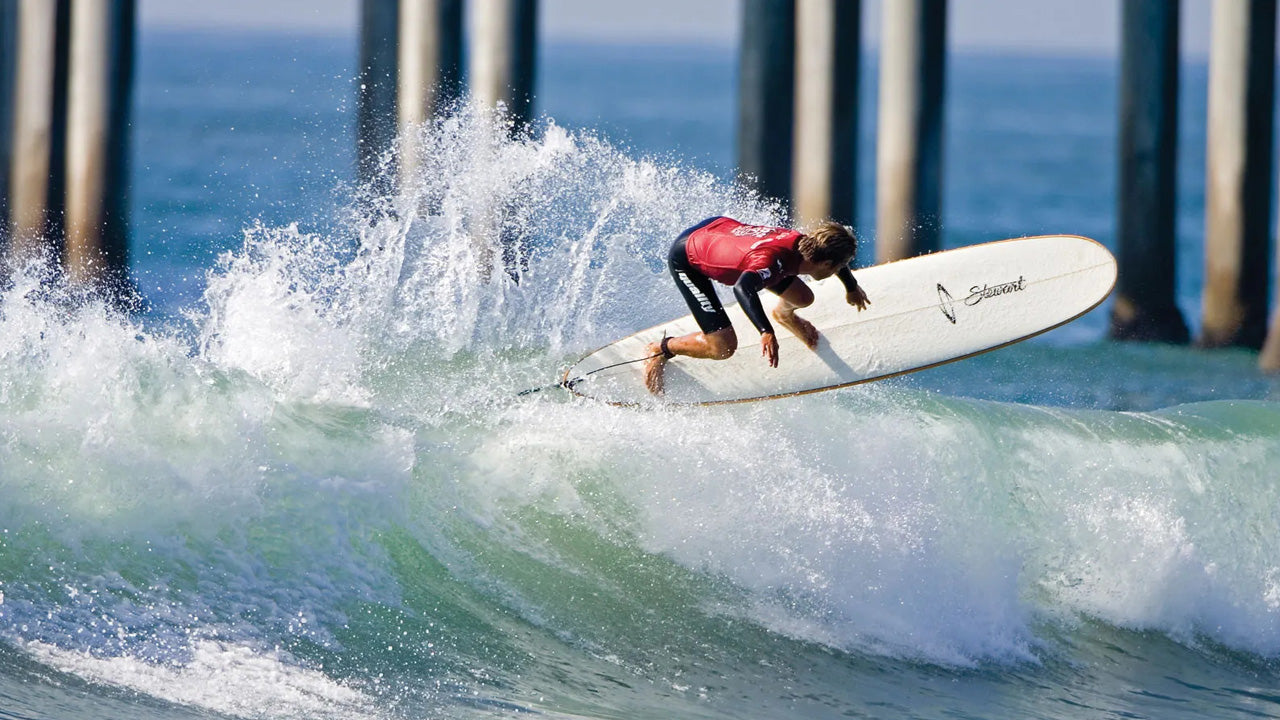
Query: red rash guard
{"type": "Point", "coordinates": [724, 248]}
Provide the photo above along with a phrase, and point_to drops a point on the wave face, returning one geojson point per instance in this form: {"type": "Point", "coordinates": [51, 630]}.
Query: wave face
{"type": "Point", "coordinates": [318, 494]}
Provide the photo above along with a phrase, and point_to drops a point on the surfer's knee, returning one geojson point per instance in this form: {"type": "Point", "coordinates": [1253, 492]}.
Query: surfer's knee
{"type": "Point", "coordinates": [799, 294]}
{"type": "Point", "coordinates": [725, 352]}
{"type": "Point", "coordinates": [796, 295]}
{"type": "Point", "coordinates": [722, 343]}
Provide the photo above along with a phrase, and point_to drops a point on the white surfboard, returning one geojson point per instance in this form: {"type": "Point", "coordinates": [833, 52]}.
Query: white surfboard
{"type": "Point", "coordinates": [925, 311]}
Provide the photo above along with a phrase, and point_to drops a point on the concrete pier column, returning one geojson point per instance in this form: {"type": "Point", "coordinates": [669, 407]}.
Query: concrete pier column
{"type": "Point", "coordinates": [36, 180]}
{"type": "Point", "coordinates": [100, 79]}
{"type": "Point", "coordinates": [1238, 169]}
{"type": "Point", "coordinates": [1145, 307]}
{"type": "Point", "coordinates": [430, 68]}
{"type": "Point", "coordinates": [828, 34]}
{"type": "Point", "coordinates": [909, 149]}
{"type": "Point", "coordinates": [376, 101]}
{"type": "Point", "coordinates": [504, 56]}
{"type": "Point", "coordinates": [8, 56]}
{"type": "Point", "coordinates": [766, 94]}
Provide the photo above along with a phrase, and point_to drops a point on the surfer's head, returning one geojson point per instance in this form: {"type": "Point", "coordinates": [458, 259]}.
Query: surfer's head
{"type": "Point", "coordinates": [829, 244]}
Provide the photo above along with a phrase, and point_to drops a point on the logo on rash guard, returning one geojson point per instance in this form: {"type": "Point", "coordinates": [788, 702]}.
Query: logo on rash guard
{"type": "Point", "coordinates": [703, 302]}
{"type": "Point", "coordinates": [752, 231]}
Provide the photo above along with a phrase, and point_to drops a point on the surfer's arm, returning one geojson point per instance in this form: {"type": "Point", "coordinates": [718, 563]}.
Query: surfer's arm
{"type": "Point", "coordinates": [747, 290]}
{"type": "Point", "coordinates": [847, 279]}
{"type": "Point", "coordinates": [853, 294]}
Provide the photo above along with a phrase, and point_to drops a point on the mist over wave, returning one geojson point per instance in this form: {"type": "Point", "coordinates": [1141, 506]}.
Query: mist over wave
{"type": "Point", "coordinates": [324, 472]}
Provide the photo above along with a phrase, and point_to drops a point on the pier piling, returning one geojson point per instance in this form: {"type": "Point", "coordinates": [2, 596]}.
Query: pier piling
{"type": "Point", "coordinates": [430, 69]}
{"type": "Point", "coordinates": [826, 110]}
{"type": "Point", "coordinates": [1145, 308]}
{"type": "Point", "coordinates": [504, 56]}
{"type": "Point", "coordinates": [8, 43]}
{"type": "Point", "coordinates": [100, 78]}
{"type": "Point", "coordinates": [1238, 173]}
{"type": "Point", "coordinates": [766, 96]}
{"type": "Point", "coordinates": [909, 145]}
{"type": "Point", "coordinates": [37, 181]}
{"type": "Point", "coordinates": [376, 101]}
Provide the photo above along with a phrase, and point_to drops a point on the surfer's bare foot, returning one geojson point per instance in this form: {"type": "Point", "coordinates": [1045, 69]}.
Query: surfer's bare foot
{"type": "Point", "coordinates": [653, 368]}
{"type": "Point", "coordinates": [798, 326]}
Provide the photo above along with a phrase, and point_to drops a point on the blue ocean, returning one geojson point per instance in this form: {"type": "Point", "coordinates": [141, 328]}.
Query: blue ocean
{"type": "Point", "coordinates": [300, 482]}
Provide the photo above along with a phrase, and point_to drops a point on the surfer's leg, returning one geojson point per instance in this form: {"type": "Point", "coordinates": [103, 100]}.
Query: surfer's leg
{"type": "Point", "coordinates": [716, 341]}
{"type": "Point", "coordinates": [717, 345]}
{"type": "Point", "coordinates": [793, 296]}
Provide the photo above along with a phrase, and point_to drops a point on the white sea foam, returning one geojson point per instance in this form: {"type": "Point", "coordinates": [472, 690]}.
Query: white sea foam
{"type": "Point", "coordinates": [224, 678]}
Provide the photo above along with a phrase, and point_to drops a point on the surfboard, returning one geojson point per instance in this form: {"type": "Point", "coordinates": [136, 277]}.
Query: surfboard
{"type": "Point", "coordinates": [925, 311]}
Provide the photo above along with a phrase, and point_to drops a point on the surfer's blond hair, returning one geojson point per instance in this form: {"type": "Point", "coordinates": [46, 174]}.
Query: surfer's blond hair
{"type": "Point", "coordinates": [827, 243]}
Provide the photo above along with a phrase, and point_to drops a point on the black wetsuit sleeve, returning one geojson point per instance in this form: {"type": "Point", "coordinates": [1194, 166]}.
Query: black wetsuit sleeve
{"type": "Point", "coordinates": [747, 290]}
{"type": "Point", "coordinates": [846, 277]}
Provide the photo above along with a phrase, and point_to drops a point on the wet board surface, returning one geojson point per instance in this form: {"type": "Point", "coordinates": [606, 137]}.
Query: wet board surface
{"type": "Point", "coordinates": [924, 311]}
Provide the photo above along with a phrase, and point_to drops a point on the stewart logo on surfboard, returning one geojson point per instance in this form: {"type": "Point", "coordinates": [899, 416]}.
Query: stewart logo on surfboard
{"type": "Point", "coordinates": [977, 294]}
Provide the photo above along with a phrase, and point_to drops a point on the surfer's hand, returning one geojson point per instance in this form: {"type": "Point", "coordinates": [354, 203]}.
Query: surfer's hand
{"type": "Point", "coordinates": [769, 348]}
{"type": "Point", "coordinates": [857, 297]}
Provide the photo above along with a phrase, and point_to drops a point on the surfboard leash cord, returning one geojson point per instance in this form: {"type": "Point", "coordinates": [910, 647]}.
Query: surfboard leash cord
{"type": "Point", "coordinates": [568, 383]}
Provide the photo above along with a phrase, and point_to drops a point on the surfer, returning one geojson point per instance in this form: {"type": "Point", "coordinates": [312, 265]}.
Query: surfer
{"type": "Point", "coordinates": [751, 258]}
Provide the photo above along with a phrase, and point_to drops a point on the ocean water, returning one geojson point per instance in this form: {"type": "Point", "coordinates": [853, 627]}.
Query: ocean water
{"type": "Point", "coordinates": [301, 484]}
